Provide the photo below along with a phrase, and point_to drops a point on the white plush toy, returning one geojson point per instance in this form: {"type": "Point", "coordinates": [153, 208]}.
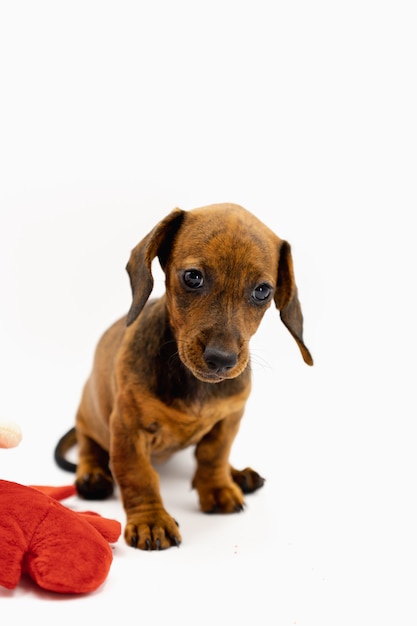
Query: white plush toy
{"type": "Point", "coordinates": [10, 435]}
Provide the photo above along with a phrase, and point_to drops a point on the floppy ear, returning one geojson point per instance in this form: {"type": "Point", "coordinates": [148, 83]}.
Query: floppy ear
{"type": "Point", "coordinates": [286, 300]}
{"type": "Point", "coordinates": [157, 243]}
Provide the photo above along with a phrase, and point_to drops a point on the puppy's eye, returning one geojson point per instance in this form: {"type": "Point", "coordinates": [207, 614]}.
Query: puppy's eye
{"type": "Point", "coordinates": [193, 279]}
{"type": "Point", "coordinates": [262, 292]}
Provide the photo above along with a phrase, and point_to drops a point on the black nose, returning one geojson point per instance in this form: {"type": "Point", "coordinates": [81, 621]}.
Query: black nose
{"type": "Point", "coordinates": [219, 361]}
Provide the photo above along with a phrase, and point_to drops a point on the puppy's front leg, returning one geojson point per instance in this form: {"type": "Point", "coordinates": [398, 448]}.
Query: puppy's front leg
{"type": "Point", "coordinates": [148, 525]}
{"type": "Point", "coordinates": [217, 491]}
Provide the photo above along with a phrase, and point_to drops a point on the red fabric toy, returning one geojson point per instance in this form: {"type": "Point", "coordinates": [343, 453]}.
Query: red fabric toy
{"type": "Point", "coordinates": [61, 550]}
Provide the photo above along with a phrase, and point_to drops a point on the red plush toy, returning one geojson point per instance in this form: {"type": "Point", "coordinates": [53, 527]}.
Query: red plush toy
{"type": "Point", "coordinates": [61, 550]}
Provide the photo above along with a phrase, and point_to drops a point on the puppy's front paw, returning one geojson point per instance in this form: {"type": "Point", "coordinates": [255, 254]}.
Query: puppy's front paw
{"type": "Point", "coordinates": [227, 499]}
{"type": "Point", "coordinates": [153, 530]}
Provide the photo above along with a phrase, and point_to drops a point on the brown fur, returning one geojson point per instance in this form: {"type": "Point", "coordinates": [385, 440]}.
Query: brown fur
{"type": "Point", "coordinates": [175, 372]}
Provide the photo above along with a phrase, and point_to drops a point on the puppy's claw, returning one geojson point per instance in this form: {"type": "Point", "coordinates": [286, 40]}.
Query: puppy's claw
{"type": "Point", "coordinates": [152, 530]}
{"type": "Point", "coordinates": [213, 510]}
{"type": "Point", "coordinates": [238, 508]}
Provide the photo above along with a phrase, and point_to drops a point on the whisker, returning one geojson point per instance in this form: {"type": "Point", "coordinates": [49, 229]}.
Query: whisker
{"type": "Point", "coordinates": [174, 361]}
{"type": "Point", "coordinates": [258, 361]}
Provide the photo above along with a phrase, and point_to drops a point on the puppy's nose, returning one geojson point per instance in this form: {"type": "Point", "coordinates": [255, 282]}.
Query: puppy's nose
{"type": "Point", "coordinates": [219, 361]}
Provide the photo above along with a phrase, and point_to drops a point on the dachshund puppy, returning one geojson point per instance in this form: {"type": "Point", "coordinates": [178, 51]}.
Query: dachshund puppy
{"type": "Point", "coordinates": [175, 371]}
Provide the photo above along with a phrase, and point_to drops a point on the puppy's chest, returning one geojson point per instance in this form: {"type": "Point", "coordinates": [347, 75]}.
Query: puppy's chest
{"type": "Point", "coordinates": [184, 423]}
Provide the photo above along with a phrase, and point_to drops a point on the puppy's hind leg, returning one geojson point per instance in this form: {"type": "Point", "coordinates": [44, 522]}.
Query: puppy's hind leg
{"type": "Point", "coordinates": [247, 479]}
{"type": "Point", "coordinates": [94, 480]}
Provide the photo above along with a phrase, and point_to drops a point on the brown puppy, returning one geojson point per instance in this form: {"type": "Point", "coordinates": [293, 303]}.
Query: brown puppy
{"type": "Point", "coordinates": [175, 372]}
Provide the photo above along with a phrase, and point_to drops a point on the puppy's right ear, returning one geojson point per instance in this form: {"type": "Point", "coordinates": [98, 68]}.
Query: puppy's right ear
{"type": "Point", "coordinates": [157, 243]}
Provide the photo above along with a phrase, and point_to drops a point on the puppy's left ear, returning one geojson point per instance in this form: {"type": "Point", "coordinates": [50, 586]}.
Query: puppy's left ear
{"type": "Point", "coordinates": [286, 300]}
{"type": "Point", "coordinates": [157, 243]}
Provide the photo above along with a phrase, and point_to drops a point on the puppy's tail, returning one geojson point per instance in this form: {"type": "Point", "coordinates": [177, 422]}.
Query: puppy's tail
{"type": "Point", "coordinates": [66, 442]}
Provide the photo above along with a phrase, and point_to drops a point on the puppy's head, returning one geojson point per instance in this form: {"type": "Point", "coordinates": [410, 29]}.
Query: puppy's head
{"type": "Point", "coordinates": [223, 269]}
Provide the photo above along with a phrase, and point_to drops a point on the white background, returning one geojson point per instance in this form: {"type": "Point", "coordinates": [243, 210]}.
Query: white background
{"type": "Point", "coordinates": [112, 114]}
